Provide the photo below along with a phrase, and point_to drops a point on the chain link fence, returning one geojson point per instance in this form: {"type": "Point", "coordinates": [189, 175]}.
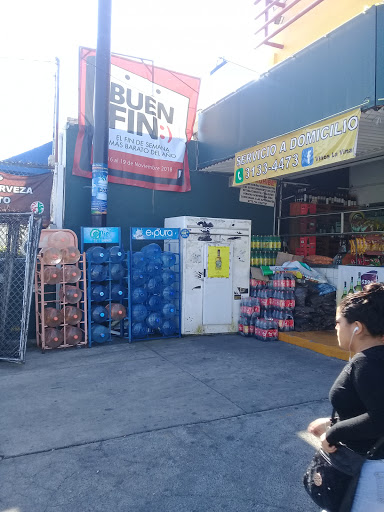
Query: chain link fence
{"type": "Point", "coordinates": [19, 239]}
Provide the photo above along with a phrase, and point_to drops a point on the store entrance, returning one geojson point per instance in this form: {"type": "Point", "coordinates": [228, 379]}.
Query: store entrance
{"type": "Point", "coordinates": [337, 228]}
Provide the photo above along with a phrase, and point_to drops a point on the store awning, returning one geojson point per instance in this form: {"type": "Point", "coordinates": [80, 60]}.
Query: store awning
{"type": "Point", "coordinates": [370, 146]}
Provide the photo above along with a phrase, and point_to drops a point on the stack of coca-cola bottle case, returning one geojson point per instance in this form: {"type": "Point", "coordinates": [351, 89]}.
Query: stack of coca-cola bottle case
{"type": "Point", "coordinates": [269, 309]}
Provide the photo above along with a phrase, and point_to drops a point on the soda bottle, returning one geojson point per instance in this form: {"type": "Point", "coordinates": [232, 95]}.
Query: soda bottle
{"type": "Point", "coordinates": [154, 285]}
{"type": "Point", "coordinates": [169, 293]}
{"type": "Point", "coordinates": [98, 272]}
{"type": "Point", "coordinates": [52, 275]}
{"type": "Point", "coordinates": [117, 271]}
{"type": "Point", "coordinates": [246, 321]}
{"type": "Point", "coordinates": [99, 293]}
{"type": "Point", "coordinates": [288, 322]}
{"type": "Point", "coordinates": [70, 255]}
{"type": "Point", "coordinates": [72, 315]}
{"type": "Point", "coordinates": [71, 274]}
{"type": "Point", "coordinates": [73, 335]}
{"type": "Point", "coordinates": [168, 277]}
{"type": "Point", "coordinates": [71, 294]}
{"type": "Point", "coordinates": [139, 313]}
{"type": "Point", "coordinates": [53, 317]}
{"type": "Point", "coordinates": [99, 314]}
{"type": "Point", "coordinates": [154, 320]}
{"type": "Point", "coordinates": [154, 266]}
{"type": "Point", "coordinates": [139, 295]}
{"type": "Point", "coordinates": [99, 333]}
{"type": "Point", "coordinates": [53, 338]}
{"type": "Point", "coordinates": [138, 277]}
{"type": "Point", "coordinates": [116, 311]}
{"type": "Point", "coordinates": [118, 292]}
{"type": "Point", "coordinates": [152, 251]}
{"type": "Point", "coordinates": [116, 254]}
{"type": "Point", "coordinates": [168, 259]}
{"type": "Point", "coordinates": [139, 260]}
{"type": "Point", "coordinates": [240, 327]}
{"type": "Point", "coordinates": [51, 256]}
{"type": "Point", "coordinates": [97, 254]}
{"type": "Point", "coordinates": [60, 239]}
{"type": "Point", "coordinates": [154, 303]}
{"type": "Point", "coordinates": [139, 330]}
{"type": "Point", "coordinates": [169, 310]}
{"type": "Point", "coordinates": [169, 328]}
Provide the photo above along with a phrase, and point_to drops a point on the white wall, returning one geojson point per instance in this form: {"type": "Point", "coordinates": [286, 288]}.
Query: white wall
{"type": "Point", "coordinates": [367, 182]}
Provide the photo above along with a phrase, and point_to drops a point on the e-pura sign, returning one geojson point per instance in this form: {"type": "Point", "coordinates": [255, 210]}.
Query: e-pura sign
{"type": "Point", "coordinates": [326, 142]}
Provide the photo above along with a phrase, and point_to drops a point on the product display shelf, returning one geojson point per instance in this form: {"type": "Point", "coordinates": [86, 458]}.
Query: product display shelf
{"type": "Point", "coordinates": [105, 289]}
{"type": "Point", "coordinates": [164, 319]}
{"type": "Point", "coordinates": [54, 296]}
{"type": "Point", "coordinates": [113, 327]}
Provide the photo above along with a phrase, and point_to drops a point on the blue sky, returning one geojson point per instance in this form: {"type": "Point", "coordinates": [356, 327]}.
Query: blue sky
{"type": "Point", "coordinates": [183, 36]}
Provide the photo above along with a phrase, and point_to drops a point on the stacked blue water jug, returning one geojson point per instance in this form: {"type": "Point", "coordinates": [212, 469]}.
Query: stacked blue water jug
{"type": "Point", "coordinates": [107, 290]}
{"type": "Point", "coordinates": [154, 293]}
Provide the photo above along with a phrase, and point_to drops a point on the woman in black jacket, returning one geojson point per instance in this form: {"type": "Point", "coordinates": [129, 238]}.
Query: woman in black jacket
{"type": "Point", "coordinates": [357, 395]}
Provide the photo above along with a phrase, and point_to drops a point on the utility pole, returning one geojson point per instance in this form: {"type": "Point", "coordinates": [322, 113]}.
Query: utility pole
{"type": "Point", "coordinates": [101, 116]}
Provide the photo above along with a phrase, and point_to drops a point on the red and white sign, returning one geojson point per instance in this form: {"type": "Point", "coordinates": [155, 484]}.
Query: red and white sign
{"type": "Point", "coordinates": [151, 116]}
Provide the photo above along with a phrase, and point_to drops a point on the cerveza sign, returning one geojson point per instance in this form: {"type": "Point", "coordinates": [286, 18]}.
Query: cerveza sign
{"type": "Point", "coordinates": [155, 233]}
{"type": "Point", "coordinates": [22, 193]}
{"type": "Point", "coordinates": [323, 143]}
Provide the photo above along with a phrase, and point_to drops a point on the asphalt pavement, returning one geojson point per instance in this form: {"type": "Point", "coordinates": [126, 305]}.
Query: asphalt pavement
{"type": "Point", "coordinates": [198, 424]}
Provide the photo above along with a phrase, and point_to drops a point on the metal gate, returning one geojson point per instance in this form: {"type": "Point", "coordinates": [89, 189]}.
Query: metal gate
{"type": "Point", "coordinates": [19, 239]}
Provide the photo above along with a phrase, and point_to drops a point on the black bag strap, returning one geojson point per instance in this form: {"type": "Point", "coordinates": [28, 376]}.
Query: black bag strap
{"type": "Point", "coordinates": [371, 452]}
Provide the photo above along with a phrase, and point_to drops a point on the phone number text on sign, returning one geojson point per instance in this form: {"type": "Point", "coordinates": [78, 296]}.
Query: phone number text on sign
{"type": "Point", "coordinates": [262, 169]}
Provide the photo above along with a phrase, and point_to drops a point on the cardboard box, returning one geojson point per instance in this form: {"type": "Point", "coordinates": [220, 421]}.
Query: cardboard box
{"type": "Point", "coordinates": [282, 257]}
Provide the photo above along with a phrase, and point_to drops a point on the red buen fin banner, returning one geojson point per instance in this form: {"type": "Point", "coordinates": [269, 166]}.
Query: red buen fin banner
{"type": "Point", "coordinates": [151, 116]}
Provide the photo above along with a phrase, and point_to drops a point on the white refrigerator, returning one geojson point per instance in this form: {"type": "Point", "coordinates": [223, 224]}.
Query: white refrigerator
{"type": "Point", "coordinates": [215, 265]}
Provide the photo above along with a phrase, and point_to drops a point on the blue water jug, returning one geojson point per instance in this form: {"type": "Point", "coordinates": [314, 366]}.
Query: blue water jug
{"type": "Point", "coordinates": [138, 277]}
{"type": "Point", "coordinates": [139, 330]}
{"type": "Point", "coordinates": [117, 271]}
{"type": "Point", "coordinates": [154, 285]}
{"type": "Point", "coordinates": [99, 293]}
{"type": "Point", "coordinates": [169, 310]}
{"type": "Point", "coordinates": [154, 267]}
{"type": "Point", "coordinates": [169, 293]}
{"type": "Point", "coordinates": [168, 277]}
{"type": "Point", "coordinates": [139, 260]}
{"type": "Point", "coordinates": [168, 259]}
{"type": "Point", "coordinates": [139, 312]}
{"type": "Point", "coordinates": [154, 321]}
{"type": "Point", "coordinates": [169, 328]}
{"type": "Point", "coordinates": [99, 314]}
{"type": "Point", "coordinates": [118, 292]}
{"type": "Point", "coordinates": [99, 272]}
{"type": "Point", "coordinates": [99, 333]}
{"type": "Point", "coordinates": [151, 251]}
{"type": "Point", "coordinates": [139, 295]}
{"type": "Point", "coordinates": [97, 254]}
{"type": "Point", "coordinates": [154, 303]}
{"type": "Point", "coordinates": [116, 254]}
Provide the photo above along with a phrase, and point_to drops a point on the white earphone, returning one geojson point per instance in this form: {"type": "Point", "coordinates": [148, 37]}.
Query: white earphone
{"type": "Point", "coordinates": [355, 330]}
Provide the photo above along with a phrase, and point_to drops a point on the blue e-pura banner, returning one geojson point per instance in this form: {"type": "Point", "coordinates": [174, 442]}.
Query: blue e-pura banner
{"type": "Point", "coordinates": [154, 233]}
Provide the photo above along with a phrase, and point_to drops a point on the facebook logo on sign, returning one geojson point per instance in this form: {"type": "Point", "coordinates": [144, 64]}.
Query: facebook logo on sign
{"type": "Point", "coordinates": [307, 157]}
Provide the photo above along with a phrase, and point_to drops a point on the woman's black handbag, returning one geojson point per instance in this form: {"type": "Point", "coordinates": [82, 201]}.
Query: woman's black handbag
{"type": "Point", "coordinates": [331, 478]}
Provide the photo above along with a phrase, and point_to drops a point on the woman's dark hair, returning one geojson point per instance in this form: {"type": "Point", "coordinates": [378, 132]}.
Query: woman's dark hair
{"type": "Point", "coordinates": [366, 307]}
